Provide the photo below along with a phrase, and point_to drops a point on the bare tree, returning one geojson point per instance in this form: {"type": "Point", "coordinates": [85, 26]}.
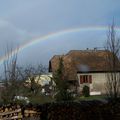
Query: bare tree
{"type": "Point", "coordinates": [113, 64]}
{"type": "Point", "coordinates": [16, 76]}
{"type": "Point", "coordinates": [11, 76]}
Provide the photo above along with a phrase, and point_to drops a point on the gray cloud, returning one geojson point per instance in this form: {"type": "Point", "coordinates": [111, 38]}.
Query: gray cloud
{"type": "Point", "coordinates": [50, 15]}
{"type": "Point", "coordinates": [25, 19]}
{"type": "Point", "coordinates": [11, 36]}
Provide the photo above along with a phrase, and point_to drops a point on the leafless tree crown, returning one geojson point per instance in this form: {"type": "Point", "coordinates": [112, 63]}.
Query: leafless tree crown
{"type": "Point", "coordinates": [113, 63]}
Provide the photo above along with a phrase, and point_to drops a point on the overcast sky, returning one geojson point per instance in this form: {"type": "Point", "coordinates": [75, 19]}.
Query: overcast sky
{"type": "Point", "coordinates": [23, 20]}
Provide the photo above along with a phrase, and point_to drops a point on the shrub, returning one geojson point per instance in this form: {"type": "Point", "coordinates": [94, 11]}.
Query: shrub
{"type": "Point", "coordinates": [86, 91]}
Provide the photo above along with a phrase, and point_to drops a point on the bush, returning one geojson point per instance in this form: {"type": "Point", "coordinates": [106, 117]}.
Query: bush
{"type": "Point", "coordinates": [86, 91]}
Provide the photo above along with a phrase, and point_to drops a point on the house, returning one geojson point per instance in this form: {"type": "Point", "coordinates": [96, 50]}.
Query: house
{"type": "Point", "coordinates": [44, 81]}
{"type": "Point", "coordinates": [41, 79]}
{"type": "Point", "coordinates": [84, 67]}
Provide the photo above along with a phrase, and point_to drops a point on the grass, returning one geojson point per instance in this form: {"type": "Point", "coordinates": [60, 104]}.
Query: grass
{"type": "Point", "coordinates": [95, 97]}
{"type": "Point", "coordinates": [41, 99]}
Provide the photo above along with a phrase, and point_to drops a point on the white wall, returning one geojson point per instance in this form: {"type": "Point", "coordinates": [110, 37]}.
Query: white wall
{"type": "Point", "coordinates": [98, 82]}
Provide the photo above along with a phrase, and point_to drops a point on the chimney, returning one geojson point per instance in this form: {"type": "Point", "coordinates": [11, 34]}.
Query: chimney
{"type": "Point", "coordinates": [95, 49]}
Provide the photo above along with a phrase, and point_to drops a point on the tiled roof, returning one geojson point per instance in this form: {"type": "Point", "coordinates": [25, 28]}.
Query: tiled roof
{"type": "Point", "coordinates": [82, 61]}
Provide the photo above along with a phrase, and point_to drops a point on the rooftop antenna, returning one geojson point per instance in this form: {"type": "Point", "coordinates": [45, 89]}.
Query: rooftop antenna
{"type": "Point", "coordinates": [95, 48]}
{"type": "Point", "coordinates": [99, 48]}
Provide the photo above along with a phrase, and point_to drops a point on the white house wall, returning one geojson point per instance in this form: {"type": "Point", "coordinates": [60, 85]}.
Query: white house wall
{"type": "Point", "coordinates": [98, 82]}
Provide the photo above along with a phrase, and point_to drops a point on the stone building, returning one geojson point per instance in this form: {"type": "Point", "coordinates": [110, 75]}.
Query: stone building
{"type": "Point", "coordinates": [84, 67]}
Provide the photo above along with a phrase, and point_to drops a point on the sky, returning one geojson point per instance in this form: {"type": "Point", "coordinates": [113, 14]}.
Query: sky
{"type": "Point", "coordinates": [22, 21]}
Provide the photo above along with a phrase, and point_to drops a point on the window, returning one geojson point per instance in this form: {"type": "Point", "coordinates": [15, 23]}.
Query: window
{"type": "Point", "coordinates": [85, 79]}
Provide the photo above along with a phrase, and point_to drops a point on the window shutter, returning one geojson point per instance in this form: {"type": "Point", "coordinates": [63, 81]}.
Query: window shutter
{"type": "Point", "coordinates": [81, 79]}
{"type": "Point", "coordinates": [90, 78]}
{"type": "Point", "coordinates": [86, 79]}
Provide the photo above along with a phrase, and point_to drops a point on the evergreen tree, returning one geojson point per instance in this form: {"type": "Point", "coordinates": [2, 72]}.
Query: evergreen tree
{"type": "Point", "coordinates": [60, 79]}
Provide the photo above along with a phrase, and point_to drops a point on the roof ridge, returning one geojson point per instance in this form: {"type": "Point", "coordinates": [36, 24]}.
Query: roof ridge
{"type": "Point", "coordinates": [86, 50]}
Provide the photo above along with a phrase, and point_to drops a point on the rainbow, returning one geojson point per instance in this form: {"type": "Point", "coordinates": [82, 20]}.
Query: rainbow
{"type": "Point", "coordinates": [55, 35]}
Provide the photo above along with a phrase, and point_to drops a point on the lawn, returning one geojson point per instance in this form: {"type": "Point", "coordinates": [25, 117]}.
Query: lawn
{"type": "Point", "coordinates": [93, 97]}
